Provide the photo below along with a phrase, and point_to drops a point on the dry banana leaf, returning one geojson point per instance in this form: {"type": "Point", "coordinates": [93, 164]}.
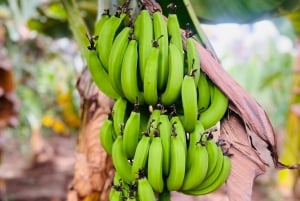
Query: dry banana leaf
{"type": "Point", "coordinates": [246, 164]}
{"type": "Point", "coordinates": [93, 167]}
{"type": "Point", "coordinates": [6, 75]}
{"type": "Point", "coordinates": [8, 100]}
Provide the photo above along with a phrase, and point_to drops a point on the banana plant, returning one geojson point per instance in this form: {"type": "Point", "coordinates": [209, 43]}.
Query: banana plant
{"type": "Point", "coordinates": [244, 107]}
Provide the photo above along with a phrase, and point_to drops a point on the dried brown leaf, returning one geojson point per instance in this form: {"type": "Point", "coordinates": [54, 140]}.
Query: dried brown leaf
{"type": "Point", "coordinates": [93, 166]}
{"type": "Point", "coordinates": [8, 110]}
{"type": "Point", "coordinates": [245, 160]}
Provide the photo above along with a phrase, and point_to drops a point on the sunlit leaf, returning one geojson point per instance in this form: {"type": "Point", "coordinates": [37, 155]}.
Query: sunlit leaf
{"type": "Point", "coordinates": [56, 11]}
{"type": "Point", "coordinates": [49, 27]}
{"type": "Point", "coordinates": [77, 25]}
{"type": "Point", "coordinates": [241, 11]}
{"type": "Point", "coordinates": [295, 21]}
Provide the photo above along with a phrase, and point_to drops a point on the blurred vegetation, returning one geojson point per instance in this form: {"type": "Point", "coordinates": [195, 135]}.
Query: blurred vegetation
{"type": "Point", "coordinates": [45, 66]}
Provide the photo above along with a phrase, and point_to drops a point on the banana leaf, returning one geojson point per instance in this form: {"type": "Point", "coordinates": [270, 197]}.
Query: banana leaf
{"type": "Point", "coordinates": [294, 18]}
{"type": "Point", "coordinates": [238, 11]}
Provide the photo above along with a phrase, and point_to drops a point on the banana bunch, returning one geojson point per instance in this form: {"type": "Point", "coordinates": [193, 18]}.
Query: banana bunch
{"type": "Point", "coordinates": [153, 153]}
{"type": "Point", "coordinates": [157, 132]}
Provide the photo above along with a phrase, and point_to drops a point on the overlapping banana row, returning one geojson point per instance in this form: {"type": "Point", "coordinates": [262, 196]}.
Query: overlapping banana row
{"type": "Point", "coordinates": [154, 154]}
{"type": "Point", "coordinates": [164, 104]}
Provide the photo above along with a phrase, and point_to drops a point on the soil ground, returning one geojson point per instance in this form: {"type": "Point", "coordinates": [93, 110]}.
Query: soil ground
{"type": "Point", "coordinates": [26, 178]}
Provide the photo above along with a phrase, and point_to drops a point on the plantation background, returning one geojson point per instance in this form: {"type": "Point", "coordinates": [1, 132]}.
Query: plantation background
{"type": "Point", "coordinates": [37, 145]}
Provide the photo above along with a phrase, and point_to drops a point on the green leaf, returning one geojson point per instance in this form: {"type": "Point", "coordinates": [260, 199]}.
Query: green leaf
{"type": "Point", "coordinates": [238, 11]}
{"type": "Point", "coordinates": [56, 11]}
{"type": "Point", "coordinates": [295, 21]}
{"type": "Point", "coordinates": [49, 27]}
{"type": "Point", "coordinates": [77, 26]}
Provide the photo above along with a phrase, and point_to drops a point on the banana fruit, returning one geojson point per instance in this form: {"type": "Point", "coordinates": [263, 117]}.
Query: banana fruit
{"type": "Point", "coordinates": [131, 132]}
{"type": "Point", "coordinates": [164, 103]}
{"type": "Point", "coordinates": [177, 163]}
{"type": "Point", "coordinates": [107, 135]}
{"type": "Point", "coordinates": [189, 103]}
{"type": "Point", "coordinates": [155, 164]}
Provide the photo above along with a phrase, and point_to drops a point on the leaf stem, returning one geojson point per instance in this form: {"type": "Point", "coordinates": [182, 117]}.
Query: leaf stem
{"type": "Point", "coordinates": [202, 36]}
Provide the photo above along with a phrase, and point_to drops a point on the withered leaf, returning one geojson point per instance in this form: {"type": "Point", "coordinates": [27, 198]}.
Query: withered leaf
{"type": "Point", "coordinates": [245, 160]}
{"type": "Point", "coordinates": [93, 166]}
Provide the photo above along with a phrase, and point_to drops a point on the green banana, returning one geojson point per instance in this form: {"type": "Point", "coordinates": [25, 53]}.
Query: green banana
{"type": "Point", "coordinates": [210, 178]}
{"type": "Point", "coordinates": [132, 193]}
{"type": "Point", "coordinates": [211, 87]}
{"type": "Point", "coordinates": [145, 115]}
{"type": "Point", "coordinates": [129, 74]}
{"type": "Point", "coordinates": [145, 191]}
{"type": "Point", "coordinates": [194, 138]}
{"type": "Point", "coordinates": [153, 121]}
{"type": "Point", "coordinates": [117, 53]}
{"type": "Point", "coordinates": [141, 155]}
{"type": "Point", "coordinates": [151, 80]}
{"type": "Point", "coordinates": [216, 110]}
{"type": "Point", "coordinates": [189, 103]}
{"type": "Point", "coordinates": [212, 151]}
{"type": "Point", "coordinates": [115, 194]}
{"type": "Point", "coordinates": [177, 127]}
{"type": "Point", "coordinates": [136, 26]}
{"type": "Point", "coordinates": [100, 76]}
{"type": "Point", "coordinates": [154, 118]}
{"type": "Point", "coordinates": [131, 132]}
{"type": "Point", "coordinates": [212, 175]}
{"type": "Point", "coordinates": [161, 35]}
{"type": "Point", "coordinates": [119, 114]}
{"type": "Point", "coordinates": [193, 59]}
{"type": "Point", "coordinates": [165, 130]}
{"type": "Point", "coordinates": [144, 29]}
{"type": "Point", "coordinates": [203, 93]}
{"type": "Point", "coordinates": [197, 164]}
{"type": "Point", "coordinates": [155, 163]}
{"type": "Point", "coordinates": [174, 28]}
{"type": "Point", "coordinates": [131, 198]}
{"type": "Point", "coordinates": [106, 135]}
{"type": "Point", "coordinates": [128, 189]}
{"type": "Point", "coordinates": [120, 161]}
{"type": "Point", "coordinates": [164, 196]}
{"type": "Point", "coordinates": [177, 163]}
{"type": "Point", "coordinates": [218, 182]}
{"type": "Point", "coordinates": [99, 24]}
{"type": "Point", "coordinates": [175, 77]}
{"type": "Point", "coordinates": [117, 180]}
{"type": "Point", "coordinates": [107, 35]}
